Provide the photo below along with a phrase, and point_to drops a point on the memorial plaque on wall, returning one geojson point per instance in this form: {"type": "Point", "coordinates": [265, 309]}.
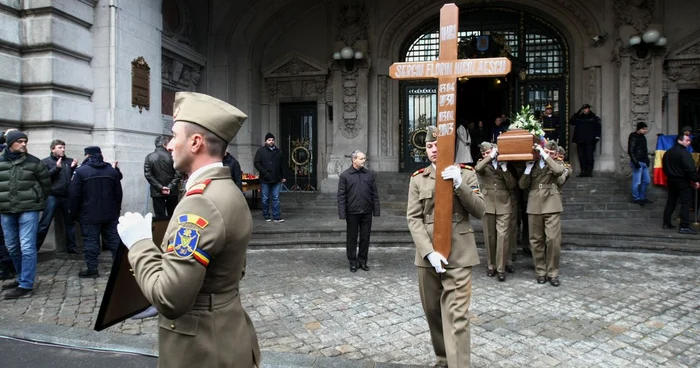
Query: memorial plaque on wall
{"type": "Point", "coordinates": [140, 84]}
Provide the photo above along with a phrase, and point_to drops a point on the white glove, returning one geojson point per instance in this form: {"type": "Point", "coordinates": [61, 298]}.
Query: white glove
{"type": "Point", "coordinates": [453, 172]}
{"type": "Point", "coordinates": [133, 227]}
{"type": "Point", "coordinates": [436, 260]}
{"type": "Point", "coordinates": [494, 152]}
{"type": "Point", "coordinates": [566, 171]}
{"type": "Point", "coordinates": [504, 166]}
{"type": "Point", "coordinates": [149, 312]}
{"type": "Point", "coordinates": [528, 167]}
{"type": "Point", "coordinates": [541, 151]}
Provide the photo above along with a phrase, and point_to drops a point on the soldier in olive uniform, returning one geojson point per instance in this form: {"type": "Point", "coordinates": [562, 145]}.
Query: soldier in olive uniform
{"type": "Point", "coordinates": [192, 278]}
{"type": "Point", "coordinates": [544, 207]}
{"type": "Point", "coordinates": [550, 124]}
{"type": "Point", "coordinates": [445, 291]}
{"type": "Point", "coordinates": [496, 185]}
{"type": "Point", "coordinates": [559, 157]}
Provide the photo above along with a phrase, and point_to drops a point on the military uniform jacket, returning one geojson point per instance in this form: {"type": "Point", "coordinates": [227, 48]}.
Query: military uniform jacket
{"type": "Point", "coordinates": [467, 200]}
{"type": "Point", "coordinates": [563, 178]}
{"type": "Point", "coordinates": [544, 196]}
{"type": "Point", "coordinates": [192, 278]}
{"type": "Point", "coordinates": [496, 186]}
{"type": "Point", "coordinates": [550, 125]}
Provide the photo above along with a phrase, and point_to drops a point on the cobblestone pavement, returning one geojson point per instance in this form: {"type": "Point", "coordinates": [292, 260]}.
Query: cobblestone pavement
{"type": "Point", "coordinates": [612, 309]}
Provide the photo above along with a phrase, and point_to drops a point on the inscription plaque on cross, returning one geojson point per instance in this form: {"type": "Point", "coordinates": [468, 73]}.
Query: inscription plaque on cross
{"type": "Point", "coordinates": [447, 69]}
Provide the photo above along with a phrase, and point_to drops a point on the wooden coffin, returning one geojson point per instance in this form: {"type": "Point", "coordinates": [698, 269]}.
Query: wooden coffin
{"type": "Point", "coordinates": [516, 145]}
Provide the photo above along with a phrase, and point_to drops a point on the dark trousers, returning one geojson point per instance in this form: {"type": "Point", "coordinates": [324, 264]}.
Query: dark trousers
{"type": "Point", "coordinates": [56, 204]}
{"type": "Point", "coordinates": [678, 189]}
{"type": "Point", "coordinates": [585, 156]}
{"type": "Point", "coordinates": [161, 204]}
{"type": "Point", "coordinates": [361, 222]}
{"type": "Point", "coordinates": [91, 240]}
{"type": "Point", "coordinates": [5, 260]}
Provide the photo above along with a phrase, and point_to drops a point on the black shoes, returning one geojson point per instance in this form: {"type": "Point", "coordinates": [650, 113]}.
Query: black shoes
{"type": "Point", "coordinates": [10, 285]}
{"type": "Point", "coordinates": [541, 279]}
{"type": "Point", "coordinates": [353, 267]}
{"type": "Point", "coordinates": [640, 202]}
{"type": "Point", "coordinates": [89, 274]}
{"type": "Point", "coordinates": [364, 266]}
{"type": "Point", "coordinates": [647, 201]}
{"type": "Point", "coordinates": [554, 281]}
{"type": "Point", "coordinates": [490, 272]}
{"type": "Point", "coordinates": [687, 230]}
{"type": "Point", "coordinates": [510, 269]}
{"type": "Point", "coordinates": [501, 276]}
{"type": "Point", "coordinates": [73, 251]}
{"type": "Point", "coordinates": [668, 226]}
{"type": "Point", "coordinates": [18, 292]}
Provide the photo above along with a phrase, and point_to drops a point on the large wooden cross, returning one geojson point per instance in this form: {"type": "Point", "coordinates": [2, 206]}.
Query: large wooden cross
{"type": "Point", "coordinates": [447, 69]}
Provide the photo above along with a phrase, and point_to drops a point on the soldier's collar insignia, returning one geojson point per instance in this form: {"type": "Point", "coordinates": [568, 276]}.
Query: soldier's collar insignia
{"type": "Point", "coordinates": [465, 166]}
{"type": "Point", "coordinates": [198, 188]}
{"type": "Point", "coordinates": [193, 219]}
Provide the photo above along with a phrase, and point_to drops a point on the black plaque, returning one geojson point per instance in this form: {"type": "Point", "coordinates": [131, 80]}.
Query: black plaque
{"type": "Point", "coordinates": [140, 84]}
{"type": "Point", "coordinates": [123, 297]}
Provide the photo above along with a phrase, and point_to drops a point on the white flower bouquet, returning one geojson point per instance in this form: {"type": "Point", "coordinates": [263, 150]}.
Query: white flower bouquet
{"type": "Point", "coordinates": [526, 120]}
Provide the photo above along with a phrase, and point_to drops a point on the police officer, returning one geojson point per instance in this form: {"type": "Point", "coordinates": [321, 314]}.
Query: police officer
{"type": "Point", "coordinates": [496, 185]}
{"type": "Point", "coordinates": [550, 124]}
{"type": "Point", "coordinates": [192, 278]}
{"type": "Point", "coordinates": [445, 283]}
{"type": "Point", "coordinates": [544, 207]}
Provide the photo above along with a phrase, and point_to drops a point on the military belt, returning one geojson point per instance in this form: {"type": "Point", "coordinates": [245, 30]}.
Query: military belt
{"type": "Point", "coordinates": [429, 219]}
{"type": "Point", "coordinates": [492, 186]}
{"type": "Point", "coordinates": [214, 301]}
{"type": "Point", "coordinates": [549, 129]}
{"type": "Point", "coordinates": [548, 186]}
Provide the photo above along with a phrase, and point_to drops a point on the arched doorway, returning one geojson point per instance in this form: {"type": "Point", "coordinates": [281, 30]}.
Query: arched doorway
{"type": "Point", "coordinates": [540, 75]}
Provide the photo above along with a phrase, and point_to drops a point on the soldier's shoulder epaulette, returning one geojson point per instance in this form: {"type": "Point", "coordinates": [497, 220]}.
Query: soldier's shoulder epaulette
{"type": "Point", "coordinates": [198, 188]}
{"type": "Point", "coordinates": [465, 166]}
{"type": "Point", "coordinates": [419, 171]}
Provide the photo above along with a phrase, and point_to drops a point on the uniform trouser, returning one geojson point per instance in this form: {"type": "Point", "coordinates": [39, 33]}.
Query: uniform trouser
{"type": "Point", "coordinates": [446, 298]}
{"type": "Point", "coordinates": [585, 156]}
{"type": "Point", "coordinates": [512, 230]}
{"type": "Point", "coordinates": [363, 223]}
{"type": "Point", "coordinates": [678, 189]}
{"type": "Point", "coordinates": [91, 241]}
{"type": "Point", "coordinates": [496, 233]}
{"type": "Point", "coordinates": [545, 231]}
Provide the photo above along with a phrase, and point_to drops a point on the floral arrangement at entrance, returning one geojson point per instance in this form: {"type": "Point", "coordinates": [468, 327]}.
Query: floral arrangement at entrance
{"type": "Point", "coordinates": [526, 120]}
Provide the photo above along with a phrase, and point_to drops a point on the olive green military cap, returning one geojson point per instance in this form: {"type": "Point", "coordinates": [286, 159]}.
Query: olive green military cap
{"type": "Point", "coordinates": [551, 145]}
{"type": "Point", "coordinates": [210, 113]}
{"type": "Point", "coordinates": [485, 146]}
{"type": "Point", "coordinates": [432, 134]}
{"type": "Point", "coordinates": [561, 150]}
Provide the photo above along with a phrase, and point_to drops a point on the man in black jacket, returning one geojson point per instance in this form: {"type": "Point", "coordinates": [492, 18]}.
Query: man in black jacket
{"type": "Point", "coordinates": [587, 132]}
{"type": "Point", "coordinates": [272, 166]}
{"type": "Point", "coordinates": [236, 173]}
{"type": "Point", "coordinates": [358, 200]}
{"type": "Point", "coordinates": [680, 170]}
{"type": "Point", "coordinates": [60, 170]}
{"type": "Point", "coordinates": [639, 159]}
{"type": "Point", "coordinates": [96, 201]}
{"type": "Point", "coordinates": [164, 180]}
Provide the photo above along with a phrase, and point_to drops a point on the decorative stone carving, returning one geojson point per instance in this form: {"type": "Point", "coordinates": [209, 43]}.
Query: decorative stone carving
{"type": "Point", "coordinates": [295, 77]}
{"type": "Point", "coordinates": [684, 74]}
{"type": "Point", "coordinates": [636, 13]}
{"type": "Point", "coordinates": [177, 21]}
{"type": "Point", "coordinates": [295, 67]}
{"type": "Point", "coordinates": [383, 114]}
{"type": "Point", "coordinates": [350, 126]}
{"type": "Point", "coordinates": [284, 89]}
{"type": "Point", "coordinates": [692, 50]}
{"type": "Point", "coordinates": [640, 89]}
{"type": "Point", "coordinates": [352, 22]}
{"type": "Point", "coordinates": [625, 164]}
{"type": "Point", "coordinates": [337, 165]}
{"type": "Point", "coordinates": [179, 76]}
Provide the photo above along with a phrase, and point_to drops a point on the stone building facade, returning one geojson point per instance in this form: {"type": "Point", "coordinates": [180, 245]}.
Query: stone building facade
{"type": "Point", "coordinates": [66, 72]}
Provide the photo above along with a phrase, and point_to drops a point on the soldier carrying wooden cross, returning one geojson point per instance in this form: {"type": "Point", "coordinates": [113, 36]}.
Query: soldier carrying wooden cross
{"type": "Point", "coordinates": [438, 210]}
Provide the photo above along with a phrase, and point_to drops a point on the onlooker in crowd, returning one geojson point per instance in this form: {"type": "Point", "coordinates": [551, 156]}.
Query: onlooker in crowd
{"type": "Point", "coordinates": [236, 173]}
{"type": "Point", "coordinates": [445, 280]}
{"type": "Point", "coordinates": [60, 170]}
{"type": "Point", "coordinates": [587, 130]}
{"type": "Point", "coordinates": [358, 200]}
{"type": "Point", "coordinates": [7, 269]}
{"type": "Point", "coordinates": [475, 133]}
{"type": "Point", "coordinates": [272, 167]}
{"type": "Point", "coordinates": [158, 170]}
{"type": "Point", "coordinates": [95, 201]}
{"type": "Point", "coordinates": [24, 187]}
{"type": "Point", "coordinates": [497, 129]}
{"type": "Point", "coordinates": [639, 159]}
{"type": "Point", "coordinates": [680, 170]}
{"type": "Point", "coordinates": [463, 142]}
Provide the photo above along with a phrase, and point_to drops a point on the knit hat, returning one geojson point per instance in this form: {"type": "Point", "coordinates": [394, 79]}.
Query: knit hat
{"type": "Point", "coordinates": [13, 135]}
{"type": "Point", "coordinates": [268, 136]}
{"type": "Point", "coordinates": [93, 150]}
{"type": "Point", "coordinates": [641, 125]}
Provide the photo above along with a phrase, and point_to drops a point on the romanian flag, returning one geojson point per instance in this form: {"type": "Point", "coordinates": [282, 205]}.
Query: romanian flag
{"type": "Point", "coordinates": [663, 144]}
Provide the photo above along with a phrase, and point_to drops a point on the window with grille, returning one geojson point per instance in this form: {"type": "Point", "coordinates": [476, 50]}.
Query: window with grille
{"type": "Point", "coordinates": [543, 54]}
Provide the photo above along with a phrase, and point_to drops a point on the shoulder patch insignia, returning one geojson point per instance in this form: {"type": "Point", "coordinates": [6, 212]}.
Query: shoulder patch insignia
{"type": "Point", "coordinates": [186, 241]}
{"type": "Point", "coordinates": [465, 166]}
{"type": "Point", "coordinates": [193, 219]}
{"type": "Point", "coordinates": [418, 172]}
{"type": "Point", "coordinates": [198, 188]}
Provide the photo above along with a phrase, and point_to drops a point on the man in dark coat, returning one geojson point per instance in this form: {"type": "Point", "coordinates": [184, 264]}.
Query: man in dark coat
{"type": "Point", "coordinates": [60, 170]}
{"type": "Point", "coordinates": [587, 130]}
{"type": "Point", "coordinates": [7, 269]}
{"type": "Point", "coordinates": [24, 187]}
{"type": "Point", "coordinates": [639, 159]}
{"type": "Point", "coordinates": [272, 166]}
{"type": "Point", "coordinates": [162, 177]}
{"type": "Point", "coordinates": [236, 173]}
{"type": "Point", "coordinates": [96, 201]}
{"type": "Point", "coordinates": [358, 200]}
{"type": "Point", "coordinates": [680, 170]}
